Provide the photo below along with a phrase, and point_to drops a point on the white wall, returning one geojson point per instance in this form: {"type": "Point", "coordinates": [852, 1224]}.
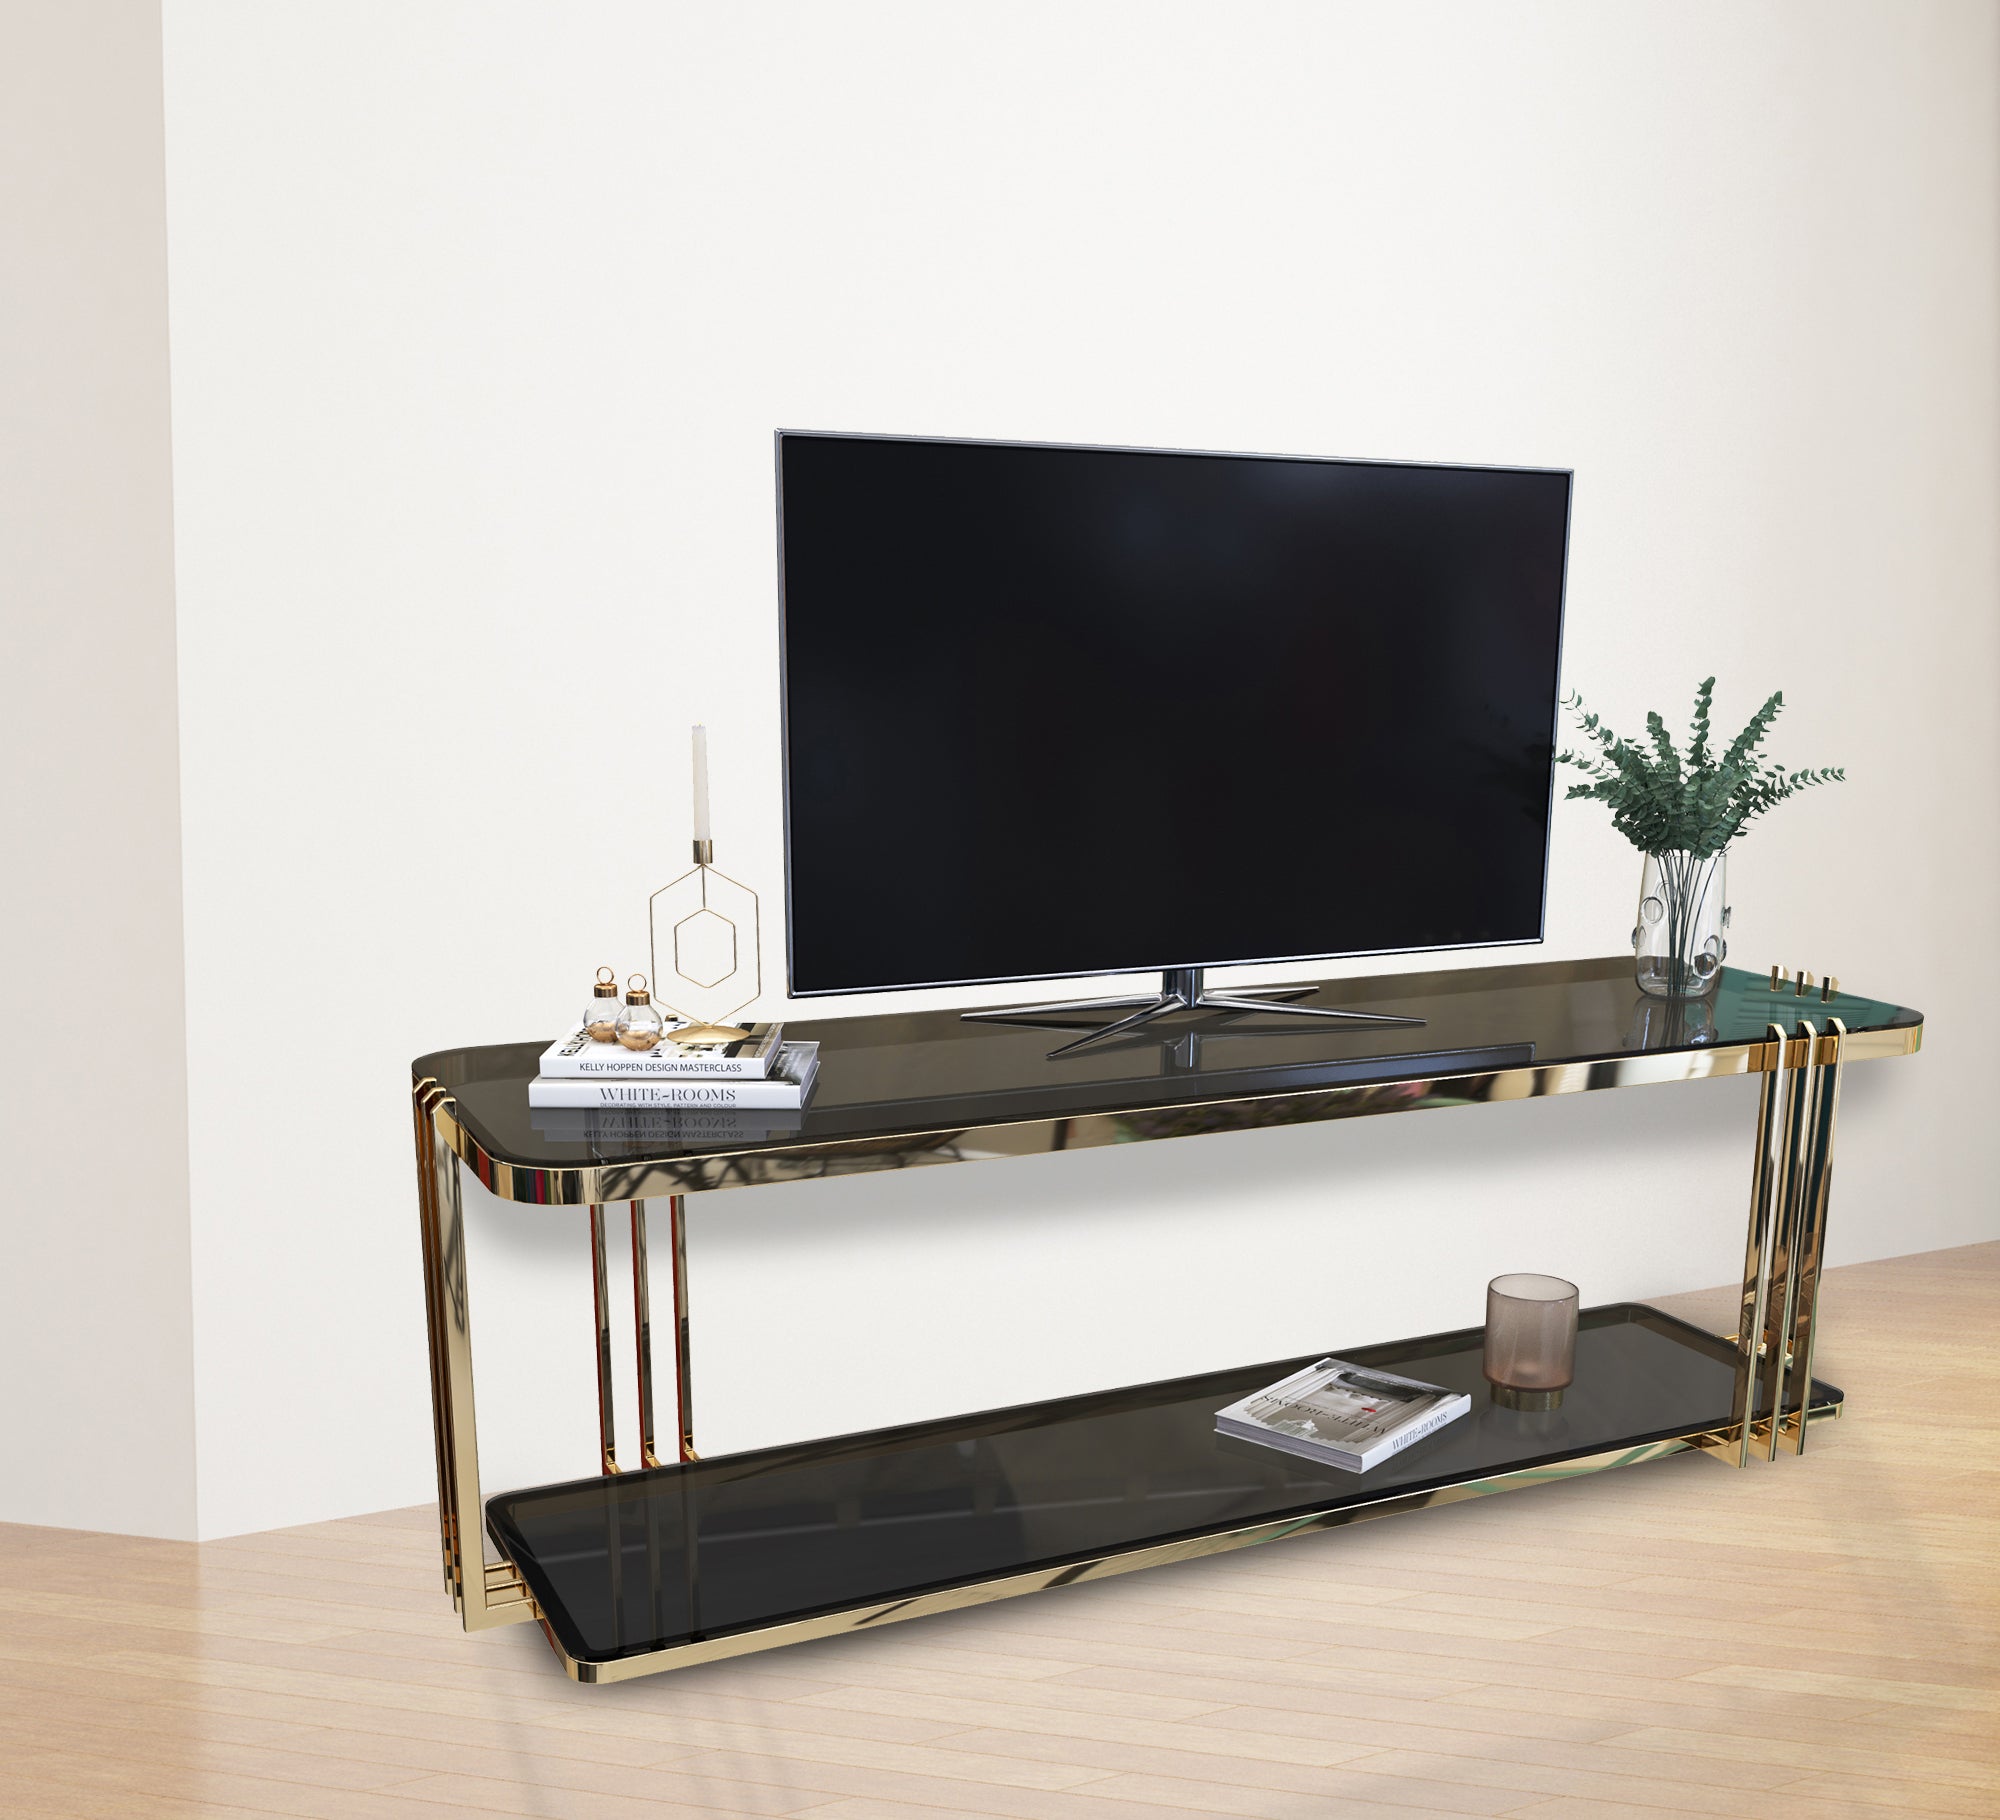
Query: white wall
{"type": "Point", "coordinates": [97, 1419]}
{"type": "Point", "coordinates": [482, 318]}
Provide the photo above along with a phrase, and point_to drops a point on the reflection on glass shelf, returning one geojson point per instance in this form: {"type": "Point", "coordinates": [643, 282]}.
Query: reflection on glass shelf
{"type": "Point", "coordinates": [643, 1561]}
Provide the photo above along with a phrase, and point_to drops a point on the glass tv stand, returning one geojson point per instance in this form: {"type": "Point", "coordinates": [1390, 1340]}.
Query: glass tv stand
{"type": "Point", "coordinates": [665, 1559]}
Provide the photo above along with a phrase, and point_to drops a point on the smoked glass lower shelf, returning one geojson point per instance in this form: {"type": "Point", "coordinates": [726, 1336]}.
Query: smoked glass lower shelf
{"type": "Point", "coordinates": [648, 1570]}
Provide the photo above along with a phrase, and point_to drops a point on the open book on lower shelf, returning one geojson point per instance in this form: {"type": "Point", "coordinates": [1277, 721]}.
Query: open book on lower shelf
{"type": "Point", "coordinates": [1351, 1416]}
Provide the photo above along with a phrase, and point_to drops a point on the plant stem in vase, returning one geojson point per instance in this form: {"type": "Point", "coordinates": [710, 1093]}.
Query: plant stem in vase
{"type": "Point", "coordinates": [1678, 944]}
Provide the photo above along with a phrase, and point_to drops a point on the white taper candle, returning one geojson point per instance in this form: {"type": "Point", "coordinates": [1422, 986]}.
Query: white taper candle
{"type": "Point", "coordinates": [701, 828]}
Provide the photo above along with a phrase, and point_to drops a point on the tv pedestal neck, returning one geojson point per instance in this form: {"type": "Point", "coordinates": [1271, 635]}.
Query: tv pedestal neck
{"type": "Point", "coordinates": [1181, 989]}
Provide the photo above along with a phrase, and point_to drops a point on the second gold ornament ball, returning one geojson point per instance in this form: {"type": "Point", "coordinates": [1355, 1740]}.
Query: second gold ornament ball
{"type": "Point", "coordinates": [640, 1025]}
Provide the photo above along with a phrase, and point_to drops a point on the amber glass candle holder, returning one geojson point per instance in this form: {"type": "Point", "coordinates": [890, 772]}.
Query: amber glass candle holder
{"type": "Point", "coordinates": [1530, 1340]}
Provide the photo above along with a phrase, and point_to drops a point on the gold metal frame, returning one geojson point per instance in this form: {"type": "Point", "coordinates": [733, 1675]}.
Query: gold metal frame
{"type": "Point", "coordinates": [1791, 1178]}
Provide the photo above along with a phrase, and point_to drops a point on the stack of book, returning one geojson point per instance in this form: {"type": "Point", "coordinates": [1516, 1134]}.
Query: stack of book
{"type": "Point", "coordinates": [746, 1089]}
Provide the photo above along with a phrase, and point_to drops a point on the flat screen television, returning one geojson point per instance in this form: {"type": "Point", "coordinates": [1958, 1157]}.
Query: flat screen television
{"type": "Point", "coordinates": [1053, 711]}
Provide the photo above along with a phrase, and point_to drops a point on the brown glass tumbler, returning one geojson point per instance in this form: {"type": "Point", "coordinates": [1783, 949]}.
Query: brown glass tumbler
{"type": "Point", "coordinates": [1530, 1340]}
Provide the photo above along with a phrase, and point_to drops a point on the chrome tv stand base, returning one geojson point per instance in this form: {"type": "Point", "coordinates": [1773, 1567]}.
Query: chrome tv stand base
{"type": "Point", "coordinates": [1181, 989]}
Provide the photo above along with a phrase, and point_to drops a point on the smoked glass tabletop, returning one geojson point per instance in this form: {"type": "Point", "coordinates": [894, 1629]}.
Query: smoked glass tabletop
{"type": "Point", "coordinates": [920, 1077]}
{"type": "Point", "coordinates": [639, 1562]}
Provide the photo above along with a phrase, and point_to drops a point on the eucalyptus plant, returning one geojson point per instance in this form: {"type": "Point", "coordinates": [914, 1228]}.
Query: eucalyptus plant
{"type": "Point", "coordinates": [1665, 802]}
{"type": "Point", "coordinates": [1682, 810]}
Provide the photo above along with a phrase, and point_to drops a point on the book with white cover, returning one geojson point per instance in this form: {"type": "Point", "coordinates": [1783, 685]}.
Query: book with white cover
{"type": "Point", "coordinates": [576, 1057]}
{"type": "Point", "coordinates": [788, 1084]}
{"type": "Point", "coordinates": [1351, 1416]}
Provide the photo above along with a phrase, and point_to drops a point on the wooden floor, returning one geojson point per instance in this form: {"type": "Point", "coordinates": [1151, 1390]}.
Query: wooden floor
{"type": "Point", "coordinates": [1802, 1641]}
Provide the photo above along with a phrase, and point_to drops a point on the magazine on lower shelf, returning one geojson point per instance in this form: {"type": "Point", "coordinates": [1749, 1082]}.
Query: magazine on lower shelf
{"type": "Point", "coordinates": [1351, 1416]}
{"type": "Point", "coordinates": [787, 1086]}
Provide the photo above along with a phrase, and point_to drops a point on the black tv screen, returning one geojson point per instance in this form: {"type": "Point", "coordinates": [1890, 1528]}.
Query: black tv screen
{"type": "Point", "coordinates": [1054, 711]}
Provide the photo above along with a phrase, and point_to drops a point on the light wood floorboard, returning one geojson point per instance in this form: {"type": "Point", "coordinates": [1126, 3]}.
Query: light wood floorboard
{"type": "Point", "coordinates": [1813, 1640]}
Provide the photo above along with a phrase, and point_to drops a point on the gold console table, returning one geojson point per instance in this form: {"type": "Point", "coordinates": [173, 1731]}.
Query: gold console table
{"type": "Point", "coordinates": [654, 1565]}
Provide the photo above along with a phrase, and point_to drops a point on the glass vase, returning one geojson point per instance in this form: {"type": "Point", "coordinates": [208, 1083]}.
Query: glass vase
{"type": "Point", "coordinates": [1679, 941]}
{"type": "Point", "coordinates": [1530, 1350]}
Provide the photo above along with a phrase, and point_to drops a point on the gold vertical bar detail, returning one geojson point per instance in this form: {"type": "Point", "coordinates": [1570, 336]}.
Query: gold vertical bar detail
{"type": "Point", "coordinates": [434, 1332]}
{"type": "Point", "coordinates": [461, 1511]}
{"type": "Point", "coordinates": [435, 1327]}
{"type": "Point", "coordinates": [642, 1327]}
{"type": "Point", "coordinates": [601, 1306]}
{"type": "Point", "coordinates": [1812, 1241]}
{"type": "Point", "coordinates": [683, 1369]}
{"type": "Point", "coordinates": [460, 1489]}
{"type": "Point", "coordinates": [1751, 1315]}
{"type": "Point", "coordinates": [1799, 1088]}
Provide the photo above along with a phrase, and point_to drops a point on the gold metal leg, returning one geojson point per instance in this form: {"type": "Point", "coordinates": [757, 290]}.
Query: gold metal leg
{"type": "Point", "coordinates": [1796, 1114]}
{"type": "Point", "coordinates": [1794, 1160]}
{"type": "Point", "coordinates": [683, 1372]}
{"type": "Point", "coordinates": [486, 1594]}
{"type": "Point", "coordinates": [1816, 1187]}
{"type": "Point", "coordinates": [1753, 1312]}
{"type": "Point", "coordinates": [434, 1337]}
{"type": "Point", "coordinates": [642, 1327]}
{"type": "Point", "coordinates": [600, 1303]}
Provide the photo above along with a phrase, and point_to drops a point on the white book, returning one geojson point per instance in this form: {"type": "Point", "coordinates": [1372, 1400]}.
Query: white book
{"type": "Point", "coordinates": [1351, 1416]}
{"type": "Point", "coordinates": [788, 1085]}
{"type": "Point", "coordinates": [576, 1057]}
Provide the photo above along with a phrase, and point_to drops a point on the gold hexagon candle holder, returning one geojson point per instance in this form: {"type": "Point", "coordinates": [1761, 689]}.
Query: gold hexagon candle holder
{"type": "Point", "coordinates": [702, 923]}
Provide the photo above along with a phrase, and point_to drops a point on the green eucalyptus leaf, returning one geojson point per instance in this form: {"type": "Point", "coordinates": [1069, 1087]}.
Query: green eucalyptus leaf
{"type": "Point", "coordinates": [1665, 802]}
